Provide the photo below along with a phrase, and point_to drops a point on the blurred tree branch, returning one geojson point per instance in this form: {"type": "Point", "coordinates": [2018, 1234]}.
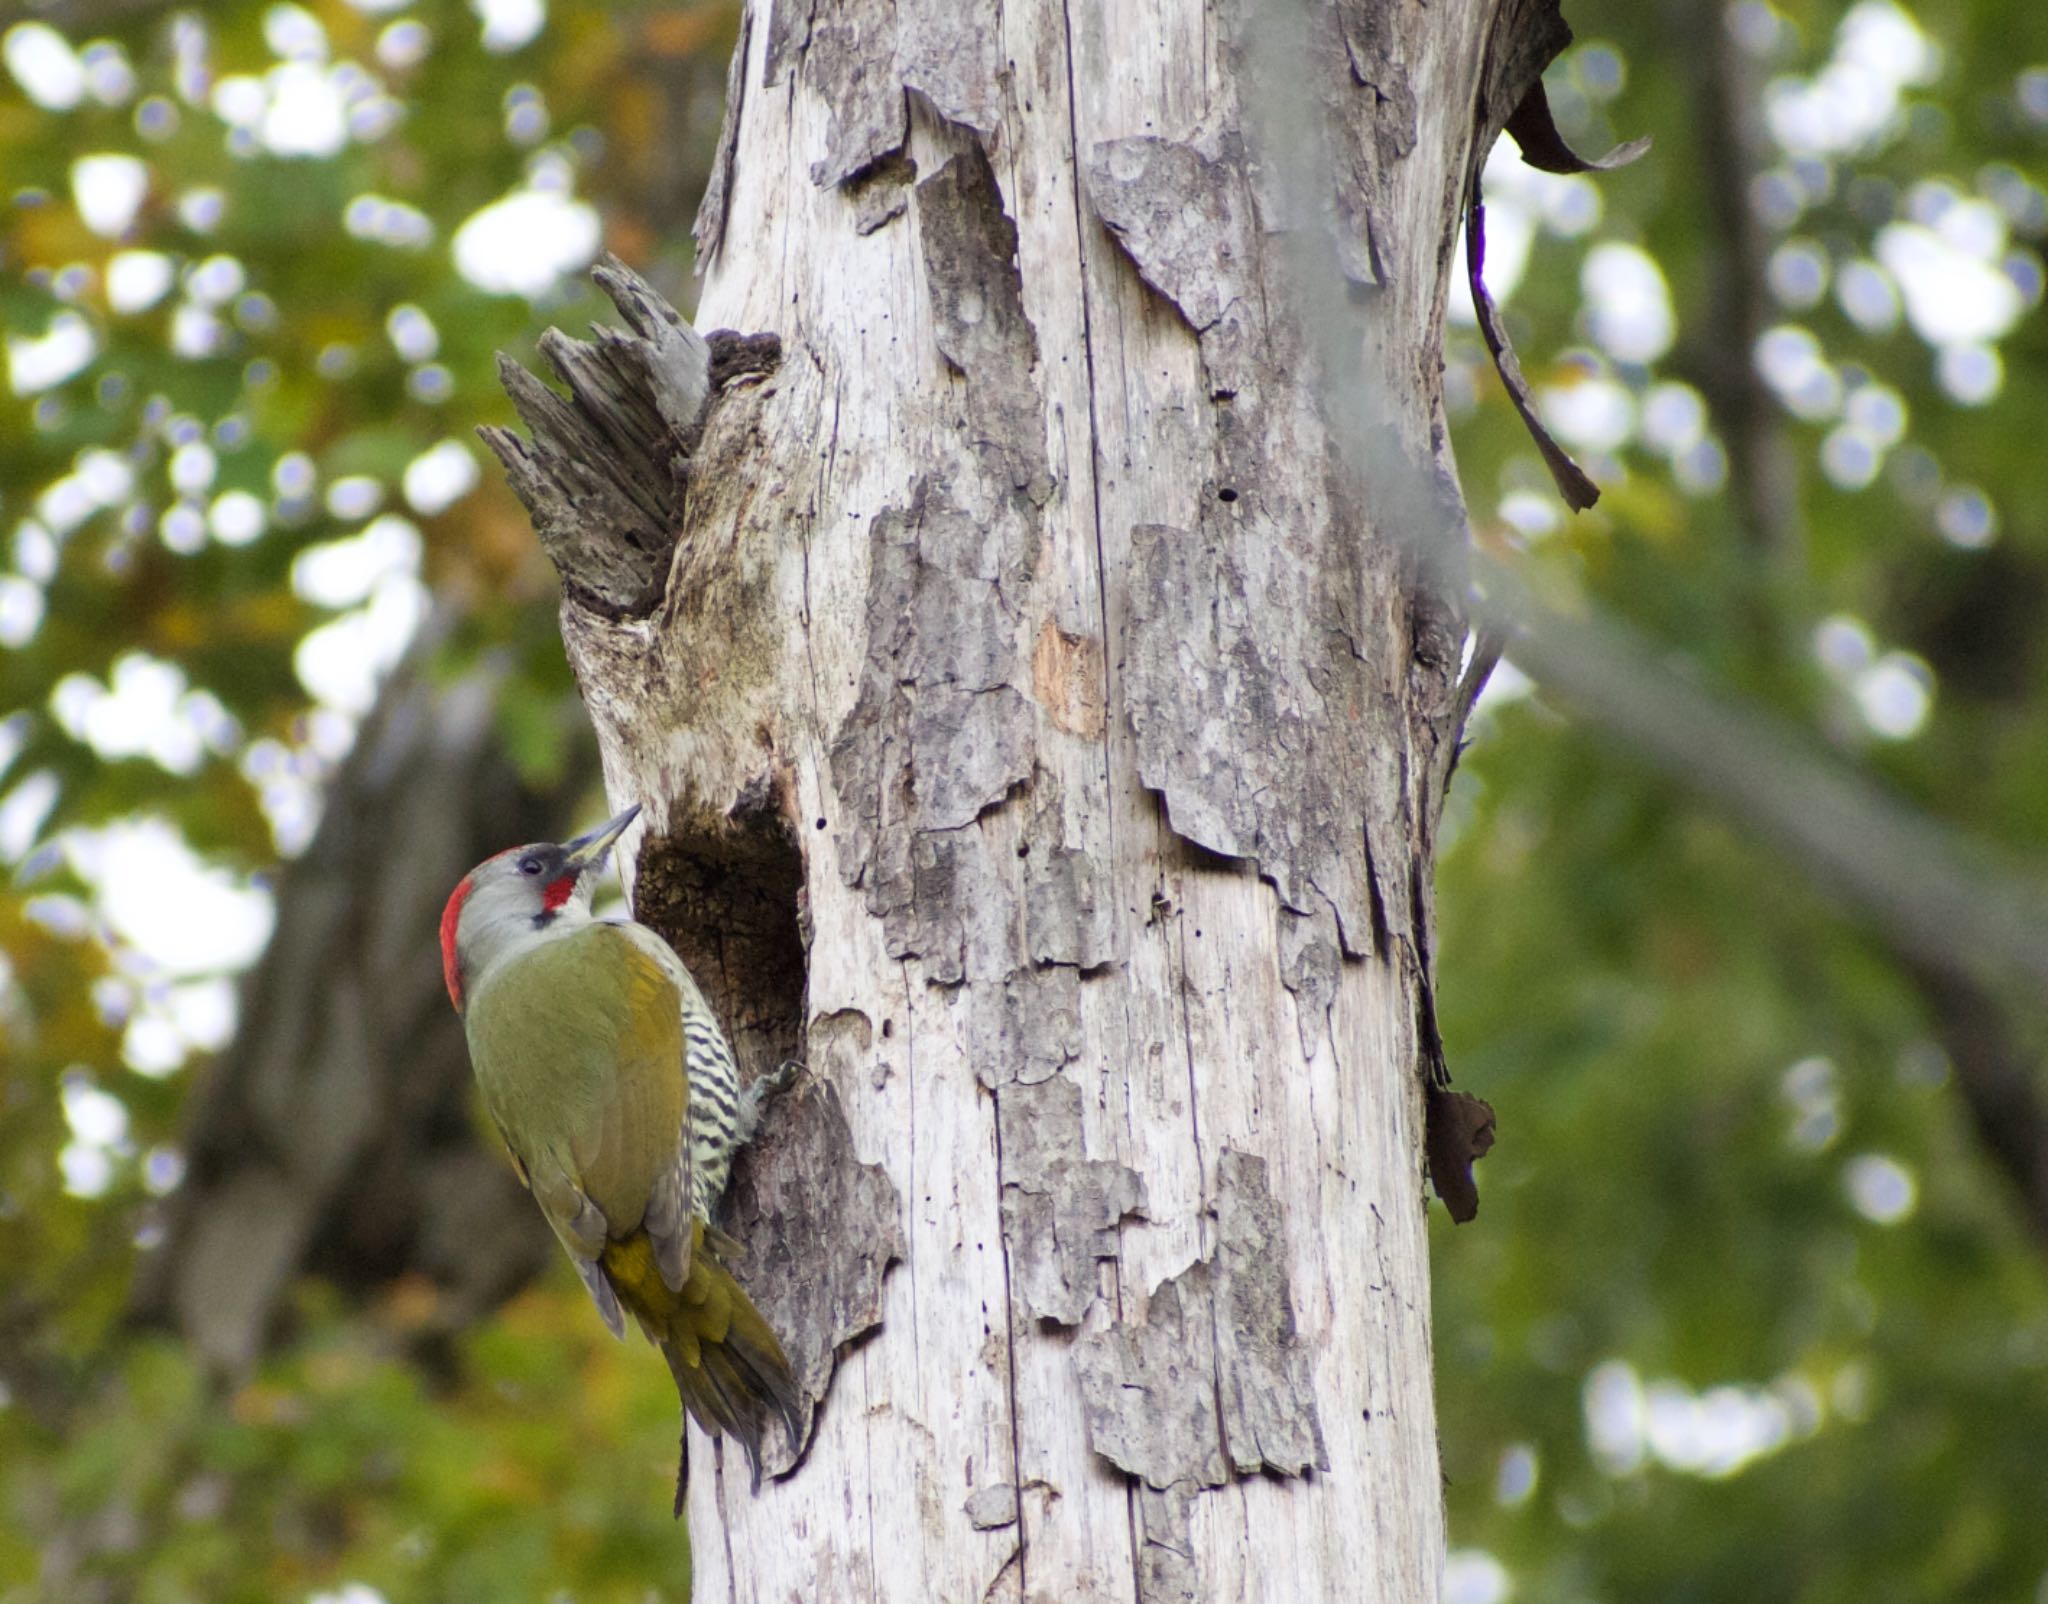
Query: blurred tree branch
{"type": "Point", "coordinates": [1934, 894]}
{"type": "Point", "coordinates": [1762, 475]}
{"type": "Point", "coordinates": [1994, 1063]}
{"type": "Point", "coordinates": [1961, 927]}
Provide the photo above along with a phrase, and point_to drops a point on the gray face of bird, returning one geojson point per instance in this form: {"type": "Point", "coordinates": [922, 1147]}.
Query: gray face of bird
{"type": "Point", "coordinates": [518, 897]}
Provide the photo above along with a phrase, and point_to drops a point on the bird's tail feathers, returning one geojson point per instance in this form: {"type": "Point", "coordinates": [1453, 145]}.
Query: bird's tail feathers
{"type": "Point", "coordinates": [728, 1366]}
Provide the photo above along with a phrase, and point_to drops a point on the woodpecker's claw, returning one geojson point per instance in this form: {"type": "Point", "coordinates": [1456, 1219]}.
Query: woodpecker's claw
{"type": "Point", "coordinates": [765, 1089]}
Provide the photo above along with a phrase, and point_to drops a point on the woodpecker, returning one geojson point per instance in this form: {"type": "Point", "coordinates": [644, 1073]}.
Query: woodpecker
{"type": "Point", "coordinates": [613, 1087]}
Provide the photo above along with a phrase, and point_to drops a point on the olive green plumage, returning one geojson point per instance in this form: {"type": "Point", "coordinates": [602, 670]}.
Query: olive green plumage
{"type": "Point", "coordinates": [578, 1042]}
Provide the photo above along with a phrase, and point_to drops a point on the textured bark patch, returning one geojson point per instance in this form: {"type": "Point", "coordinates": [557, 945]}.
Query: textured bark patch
{"type": "Point", "coordinates": [1310, 968]}
{"type": "Point", "coordinates": [1371, 114]}
{"type": "Point", "coordinates": [1186, 221]}
{"type": "Point", "coordinates": [950, 51]}
{"type": "Point", "coordinates": [1330, 87]}
{"type": "Point", "coordinates": [1068, 913]}
{"type": "Point", "coordinates": [789, 33]}
{"type": "Point", "coordinates": [1189, 223]}
{"type": "Point", "coordinates": [978, 321]}
{"type": "Point", "coordinates": [1027, 1029]}
{"type": "Point", "coordinates": [1167, 1573]}
{"type": "Point", "coordinates": [937, 734]}
{"type": "Point", "coordinates": [1069, 908]}
{"type": "Point", "coordinates": [990, 1509]}
{"type": "Point", "coordinates": [939, 731]}
{"type": "Point", "coordinates": [1371, 47]}
{"type": "Point", "coordinates": [820, 1229]}
{"type": "Point", "coordinates": [1252, 747]}
{"type": "Point", "coordinates": [1149, 1389]}
{"type": "Point", "coordinates": [1272, 747]}
{"type": "Point", "coordinates": [1266, 1393]}
{"type": "Point", "coordinates": [882, 193]}
{"type": "Point", "coordinates": [1215, 1379]}
{"type": "Point", "coordinates": [1276, 745]}
{"type": "Point", "coordinates": [1060, 1208]}
{"type": "Point", "coordinates": [850, 65]}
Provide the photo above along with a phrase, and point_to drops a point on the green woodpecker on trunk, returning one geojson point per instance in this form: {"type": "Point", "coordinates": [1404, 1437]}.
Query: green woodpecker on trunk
{"type": "Point", "coordinates": [613, 1086]}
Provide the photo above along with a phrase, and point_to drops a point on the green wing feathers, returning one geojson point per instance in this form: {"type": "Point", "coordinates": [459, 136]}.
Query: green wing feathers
{"type": "Point", "coordinates": [581, 1064]}
{"type": "Point", "coordinates": [728, 1366]}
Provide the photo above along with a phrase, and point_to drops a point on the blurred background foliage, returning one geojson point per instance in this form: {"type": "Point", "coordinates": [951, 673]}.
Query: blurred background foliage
{"type": "Point", "coordinates": [1755, 1305]}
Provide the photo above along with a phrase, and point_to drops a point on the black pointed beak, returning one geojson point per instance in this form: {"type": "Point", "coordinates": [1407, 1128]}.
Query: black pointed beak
{"type": "Point", "coordinates": [586, 852]}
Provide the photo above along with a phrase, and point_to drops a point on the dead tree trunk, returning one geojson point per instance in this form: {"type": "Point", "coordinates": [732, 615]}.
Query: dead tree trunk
{"type": "Point", "coordinates": [1041, 730]}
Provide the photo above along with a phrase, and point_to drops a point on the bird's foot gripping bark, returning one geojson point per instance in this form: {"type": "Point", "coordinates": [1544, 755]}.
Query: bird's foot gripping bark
{"type": "Point", "coordinates": [765, 1089]}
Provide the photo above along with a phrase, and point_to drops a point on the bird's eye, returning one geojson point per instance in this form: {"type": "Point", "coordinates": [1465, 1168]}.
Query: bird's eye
{"type": "Point", "coordinates": [529, 866]}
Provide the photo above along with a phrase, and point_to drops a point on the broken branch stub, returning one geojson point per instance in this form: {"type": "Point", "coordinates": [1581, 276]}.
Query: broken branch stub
{"type": "Point", "coordinates": [604, 473]}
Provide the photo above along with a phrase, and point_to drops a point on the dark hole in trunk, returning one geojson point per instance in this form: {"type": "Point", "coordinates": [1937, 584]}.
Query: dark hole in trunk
{"type": "Point", "coordinates": [730, 898]}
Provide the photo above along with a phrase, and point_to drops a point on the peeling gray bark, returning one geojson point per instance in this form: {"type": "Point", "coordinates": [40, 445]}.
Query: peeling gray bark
{"type": "Point", "coordinates": [1060, 1208]}
{"type": "Point", "coordinates": [881, 194]}
{"type": "Point", "coordinates": [1262, 1369]}
{"type": "Point", "coordinates": [1168, 1568]}
{"type": "Point", "coordinates": [1214, 1381]}
{"type": "Point", "coordinates": [978, 321]}
{"type": "Point", "coordinates": [1028, 1029]}
{"type": "Point", "coordinates": [851, 63]}
{"type": "Point", "coordinates": [1033, 602]}
{"type": "Point", "coordinates": [798, 1187]}
{"type": "Point", "coordinates": [1373, 130]}
{"type": "Point", "coordinates": [789, 36]}
{"type": "Point", "coordinates": [1150, 1388]}
{"type": "Point", "coordinates": [991, 1508]}
{"type": "Point", "coordinates": [938, 734]}
{"type": "Point", "coordinates": [950, 51]}
{"type": "Point", "coordinates": [1203, 599]}
{"type": "Point", "coordinates": [1225, 725]}
{"type": "Point", "coordinates": [1186, 220]}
